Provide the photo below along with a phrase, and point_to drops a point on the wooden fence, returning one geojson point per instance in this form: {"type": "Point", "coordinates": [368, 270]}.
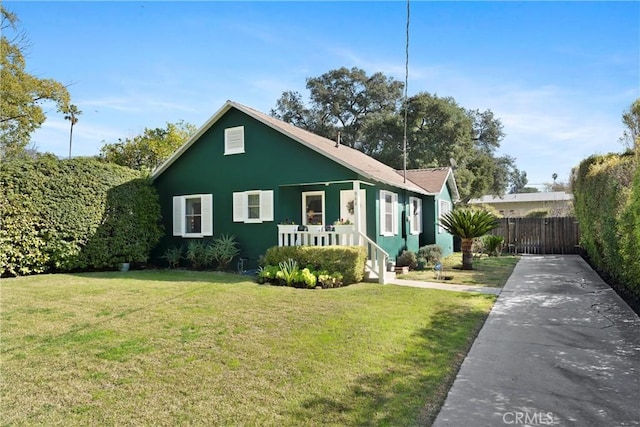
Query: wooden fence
{"type": "Point", "coordinates": [555, 235]}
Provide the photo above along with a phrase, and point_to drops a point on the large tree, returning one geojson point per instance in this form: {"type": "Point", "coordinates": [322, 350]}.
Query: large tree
{"type": "Point", "coordinates": [442, 133]}
{"type": "Point", "coordinates": [149, 149]}
{"type": "Point", "coordinates": [21, 94]}
{"type": "Point", "coordinates": [368, 112]}
{"type": "Point", "coordinates": [343, 100]}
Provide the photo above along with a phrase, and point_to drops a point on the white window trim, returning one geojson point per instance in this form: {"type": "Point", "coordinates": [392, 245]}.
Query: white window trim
{"type": "Point", "coordinates": [206, 215]}
{"type": "Point", "coordinates": [444, 206]}
{"type": "Point", "coordinates": [230, 134]}
{"type": "Point", "coordinates": [383, 213]}
{"type": "Point", "coordinates": [304, 207]}
{"type": "Point", "coordinates": [415, 219]}
{"type": "Point", "coordinates": [241, 206]}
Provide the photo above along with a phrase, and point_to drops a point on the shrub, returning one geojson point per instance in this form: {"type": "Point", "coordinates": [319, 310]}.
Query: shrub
{"type": "Point", "coordinates": [79, 214]}
{"type": "Point", "coordinates": [539, 213]}
{"type": "Point", "coordinates": [223, 250]}
{"type": "Point", "coordinates": [288, 270]}
{"type": "Point", "coordinates": [267, 273]}
{"type": "Point", "coordinates": [307, 278]}
{"type": "Point", "coordinates": [348, 260]}
{"type": "Point", "coordinates": [492, 244]}
{"type": "Point", "coordinates": [407, 259]}
{"type": "Point", "coordinates": [173, 256]}
{"type": "Point", "coordinates": [431, 253]}
{"type": "Point", "coordinates": [197, 254]}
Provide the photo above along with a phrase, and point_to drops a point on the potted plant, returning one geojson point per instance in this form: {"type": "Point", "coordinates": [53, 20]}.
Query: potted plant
{"type": "Point", "coordinates": [343, 226]}
{"type": "Point", "coordinates": [287, 226]}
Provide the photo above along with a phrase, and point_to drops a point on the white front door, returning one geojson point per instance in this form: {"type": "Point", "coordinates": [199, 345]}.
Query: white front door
{"type": "Point", "coordinates": [347, 207]}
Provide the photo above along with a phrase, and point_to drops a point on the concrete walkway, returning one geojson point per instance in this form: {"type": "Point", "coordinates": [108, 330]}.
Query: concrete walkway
{"type": "Point", "coordinates": [558, 348]}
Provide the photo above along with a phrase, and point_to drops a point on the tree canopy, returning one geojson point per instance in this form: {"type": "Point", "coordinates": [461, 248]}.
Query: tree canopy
{"type": "Point", "coordinates": [631, 120]}
{"type": "Point", "coordinates": [148, 150]}
{"type": "Point", "coordinates": [368, 112]}
{"type": "Point", "coordinates": [21, 94]}
{"type": "Point", "coordinates": [342, 100]}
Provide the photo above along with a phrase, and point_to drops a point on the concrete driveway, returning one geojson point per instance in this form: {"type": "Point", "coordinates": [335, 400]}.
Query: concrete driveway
{"type": "Point", "coordinates": [560, 348]}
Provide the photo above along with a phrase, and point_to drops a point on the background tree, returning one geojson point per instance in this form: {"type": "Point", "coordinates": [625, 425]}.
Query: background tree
{"type": "Point", "coordinates": [631, 119]}
{"type": "Point", "coordinates": [343, 100]}
{"type": "Point", "coordinates": [21, 94]}
{"type": "Point", "coordinates": [368, 113]}
{"type": "Point", "coordinates": [148, 150]}
{"type": "Point", "coordinates": [441, 133]}
{"type": "Point", "coordinates": [71, 113]}
{"type": "Point", "coordinates": [519, 183]}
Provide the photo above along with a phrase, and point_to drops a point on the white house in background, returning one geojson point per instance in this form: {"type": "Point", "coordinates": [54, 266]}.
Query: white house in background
{"type": "Point", "coordinates": [556, 203]}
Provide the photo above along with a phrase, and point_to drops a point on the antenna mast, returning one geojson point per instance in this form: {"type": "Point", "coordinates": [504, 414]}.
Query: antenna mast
{"type": "Point", "coordinates": [406, 100]}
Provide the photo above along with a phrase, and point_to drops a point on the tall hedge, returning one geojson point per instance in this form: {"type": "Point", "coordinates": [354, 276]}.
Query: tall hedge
{"type": "Point", "coordinates": [69, 215]}
{"type": "Point", "coordinates": [607, 206]}
{"type": "Point", "coordinates": [630, 241]}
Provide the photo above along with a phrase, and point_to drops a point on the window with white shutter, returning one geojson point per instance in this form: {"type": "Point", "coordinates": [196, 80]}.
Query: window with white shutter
{"type": "Point", "coordinates": [388, 213]}
{"type": "Point", "coordinates": [415, 215]}
{"type": "Point", "coordinates": [253, 206]}
{"type": "Point", "coordinates": [193, 215]}
{"type": "Point", "coordinates": [234, 140]}
{"type": "Point", "coordinates": [444, 207]}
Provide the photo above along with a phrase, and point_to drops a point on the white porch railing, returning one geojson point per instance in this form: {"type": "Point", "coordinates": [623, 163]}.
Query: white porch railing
{"type": "Point", "coordinates": [345, 235]}
{"type": "Point", "coordinates": [289, 235]}
{"type": "Point", "coordinates": [376, 258]}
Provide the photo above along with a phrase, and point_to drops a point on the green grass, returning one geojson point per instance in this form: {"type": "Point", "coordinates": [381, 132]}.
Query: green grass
{"type": "Point", "coordinates": [176, 347]}
{"type": "Point", "coordinates": [487, 271]}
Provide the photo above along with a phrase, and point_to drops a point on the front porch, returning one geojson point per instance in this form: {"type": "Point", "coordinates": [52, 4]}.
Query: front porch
{"type": "Point", "coordinates": [338, 235]}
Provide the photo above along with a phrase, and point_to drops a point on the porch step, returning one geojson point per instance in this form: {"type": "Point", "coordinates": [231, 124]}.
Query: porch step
{"type": "Point", "coordinates": [372, 276]}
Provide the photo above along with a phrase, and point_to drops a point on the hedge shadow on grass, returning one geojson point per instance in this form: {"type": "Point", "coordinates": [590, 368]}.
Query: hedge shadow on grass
{"type": "Point", "coordinates": [415, 386]}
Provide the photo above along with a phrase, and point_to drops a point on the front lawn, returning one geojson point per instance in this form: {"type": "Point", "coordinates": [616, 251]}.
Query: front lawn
{"type": "Point", "coordinates": [177, 347]}
{"type": "Point", "coordinates": [487, 271]}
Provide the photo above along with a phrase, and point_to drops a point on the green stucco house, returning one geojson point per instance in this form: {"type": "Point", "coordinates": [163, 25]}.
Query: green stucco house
{"type": "Point", "coordinates": [250, 175]}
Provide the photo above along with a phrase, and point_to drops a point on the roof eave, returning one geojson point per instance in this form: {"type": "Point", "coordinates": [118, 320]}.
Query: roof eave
{"type": "Point", "coordinates": [416, 188]}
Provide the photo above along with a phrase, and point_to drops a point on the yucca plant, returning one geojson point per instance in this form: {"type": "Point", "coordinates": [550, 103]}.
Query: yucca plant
{"type": "Point", "coordinates": [468, 224]}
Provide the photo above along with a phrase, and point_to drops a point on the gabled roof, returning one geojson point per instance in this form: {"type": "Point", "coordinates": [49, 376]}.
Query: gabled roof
{"type": "Point", "coordinates": [348, 157]}
{"type": "Point", "coordinates": [546, 196]}
{"type": "Point", "coordinates": [433, 180]}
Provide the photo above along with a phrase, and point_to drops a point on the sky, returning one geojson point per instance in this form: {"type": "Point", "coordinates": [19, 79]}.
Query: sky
{"type": "Point", "coordinates": [558, 75]}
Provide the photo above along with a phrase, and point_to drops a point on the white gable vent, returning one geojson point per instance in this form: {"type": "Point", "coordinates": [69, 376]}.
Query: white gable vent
{"type": "Point", "coordinates": [234, 140]}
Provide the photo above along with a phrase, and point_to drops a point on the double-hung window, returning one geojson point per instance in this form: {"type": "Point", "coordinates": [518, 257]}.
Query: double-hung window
{"type": "Point", "coordinates": [388, 213]}
{"type": "Point", "coordinates": [253, 206]}
{"type": "Point", "coordinates": [444, 207]}
{"type": "Point", "coordinates": [193, 215]}
{"type": "Point", "coordinates": [415, 215]}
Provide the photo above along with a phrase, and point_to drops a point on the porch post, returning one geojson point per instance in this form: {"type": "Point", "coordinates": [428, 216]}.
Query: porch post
{"type": "Point", "coordinates": [356, 212]}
